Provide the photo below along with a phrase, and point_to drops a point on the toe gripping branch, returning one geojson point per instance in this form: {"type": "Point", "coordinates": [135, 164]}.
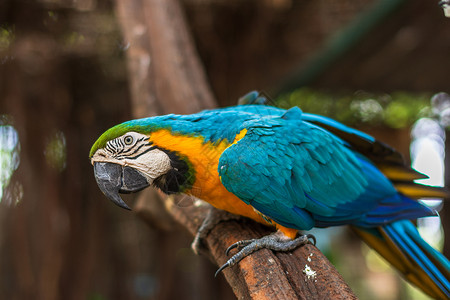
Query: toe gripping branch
{"type": "Point", "coordinates": [274, 242]}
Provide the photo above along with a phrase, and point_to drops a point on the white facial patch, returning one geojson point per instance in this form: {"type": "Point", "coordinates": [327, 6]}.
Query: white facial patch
{"type": "Point", "coordinates": [152, 164]}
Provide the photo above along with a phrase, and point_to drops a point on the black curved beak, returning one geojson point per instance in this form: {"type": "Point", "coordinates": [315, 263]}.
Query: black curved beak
{"type": "Point", "coordinates": [113, 179]}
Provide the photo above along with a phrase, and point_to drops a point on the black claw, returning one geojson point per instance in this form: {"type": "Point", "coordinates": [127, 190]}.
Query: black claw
{"type": "Point", "coordinates": [234, 246]}
{"type": "Point", "coordinates": [312, 237]}
{"type": "Point", "coordinates": [224, 266]}
{"type": "Point", "coordinates": [237, 245]}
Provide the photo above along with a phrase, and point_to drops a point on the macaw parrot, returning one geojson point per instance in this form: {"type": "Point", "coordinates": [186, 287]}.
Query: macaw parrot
{"type": "Point", "coordinates": [283, 168]}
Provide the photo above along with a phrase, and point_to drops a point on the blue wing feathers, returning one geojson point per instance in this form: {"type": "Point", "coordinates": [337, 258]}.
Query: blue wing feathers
{"type": "Point", "coordinates": [297, 165]}
{"type": "Point", "coordinates": [293, 113]}
{"type": "Point", "coordinates": [303, 159]}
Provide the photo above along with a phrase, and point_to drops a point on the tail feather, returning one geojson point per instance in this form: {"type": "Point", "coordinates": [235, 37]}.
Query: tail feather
{"type": "Point", "coordinates": [417, 191]}
{"type": "Point", "coordinates": [400, 172]}
{"type": "Point", "coordinates": [405, 235]}
{"type": "Point", "coordinates": [401, 245]}
{"type": "Point", "coordinates": [403, 179]}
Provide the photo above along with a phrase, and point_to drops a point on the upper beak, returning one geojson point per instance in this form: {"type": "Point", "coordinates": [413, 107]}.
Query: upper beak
{"type": "Point", "coordinates": [113, 179]}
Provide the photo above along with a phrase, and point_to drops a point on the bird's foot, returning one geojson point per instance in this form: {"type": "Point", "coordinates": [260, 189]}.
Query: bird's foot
{"type": "Point", "coordinates": [214, 217]}
{"type": "Point", "coordinates": [276, 241]}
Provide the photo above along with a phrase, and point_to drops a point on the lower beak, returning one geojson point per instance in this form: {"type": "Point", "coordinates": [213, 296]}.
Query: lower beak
{"type": "Point", "coordinates": [113, 179]}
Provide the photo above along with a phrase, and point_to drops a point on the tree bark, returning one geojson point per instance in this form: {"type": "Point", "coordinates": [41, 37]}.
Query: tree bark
{"type": "Point", "coordinates": [166, 76]}
{"type": "Point", "coordinates": [304, 273]}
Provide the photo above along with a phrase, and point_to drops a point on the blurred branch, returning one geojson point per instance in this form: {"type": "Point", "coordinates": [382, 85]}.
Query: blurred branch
{"type": "Point", "coordinates": [165, 73]}
{"type": "Point", "coordinates": [166, 76]}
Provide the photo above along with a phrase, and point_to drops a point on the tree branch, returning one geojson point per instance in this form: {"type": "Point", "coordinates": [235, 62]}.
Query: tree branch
{"type": "Point", "coordinates": [166, 76]}
{"type": "Point", "coordinates": [301, 274]}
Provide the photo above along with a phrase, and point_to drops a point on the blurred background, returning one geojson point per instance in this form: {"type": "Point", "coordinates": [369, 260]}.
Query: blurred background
{"type": "Point", "coordinates": [371, 64]}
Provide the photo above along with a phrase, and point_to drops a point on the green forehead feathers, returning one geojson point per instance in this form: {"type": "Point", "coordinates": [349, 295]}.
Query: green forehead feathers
{"type": "Point", "coordinates": [113, 133]}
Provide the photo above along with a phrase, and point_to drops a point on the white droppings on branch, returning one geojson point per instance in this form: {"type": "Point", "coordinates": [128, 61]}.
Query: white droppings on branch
{"type": "Point", "coordinates": [310, 273]}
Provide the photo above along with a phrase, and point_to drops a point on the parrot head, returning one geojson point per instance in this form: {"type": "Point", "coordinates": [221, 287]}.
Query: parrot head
{"type": "Point", "coordinates": [125, 160]}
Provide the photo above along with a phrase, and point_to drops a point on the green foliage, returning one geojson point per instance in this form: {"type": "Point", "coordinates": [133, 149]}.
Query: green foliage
{"type": "Point", "coordinates": [397, 110]}
{"type": "Point", "coordinates": [6, 37]}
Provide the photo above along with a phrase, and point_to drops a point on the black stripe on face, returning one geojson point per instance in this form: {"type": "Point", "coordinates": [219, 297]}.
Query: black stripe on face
{"type": "Point", "coordinates": [110, 148]}
{"type": "Point", "coordinates": [131, 147]}
{"type": "Point", "coordinates": [140, 154]}
{"type": "Point", "coordinates": [114, 147]}
{"type": "Point", "coordinates": [135, 150]}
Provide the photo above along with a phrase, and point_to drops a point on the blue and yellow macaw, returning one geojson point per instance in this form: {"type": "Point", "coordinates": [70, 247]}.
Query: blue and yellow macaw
{"type": "Point", "coordinates": [282, 168]}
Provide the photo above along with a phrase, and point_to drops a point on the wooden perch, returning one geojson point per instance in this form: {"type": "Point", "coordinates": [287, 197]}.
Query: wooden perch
{"type": "Point", "coordinates": [166, 76]}
{"type": "Point", "coordinates": [301, 274]}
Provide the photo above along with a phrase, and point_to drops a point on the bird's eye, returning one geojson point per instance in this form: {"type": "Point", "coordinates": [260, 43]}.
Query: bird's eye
{"type": "Point", "coordinates": [128, 140]}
